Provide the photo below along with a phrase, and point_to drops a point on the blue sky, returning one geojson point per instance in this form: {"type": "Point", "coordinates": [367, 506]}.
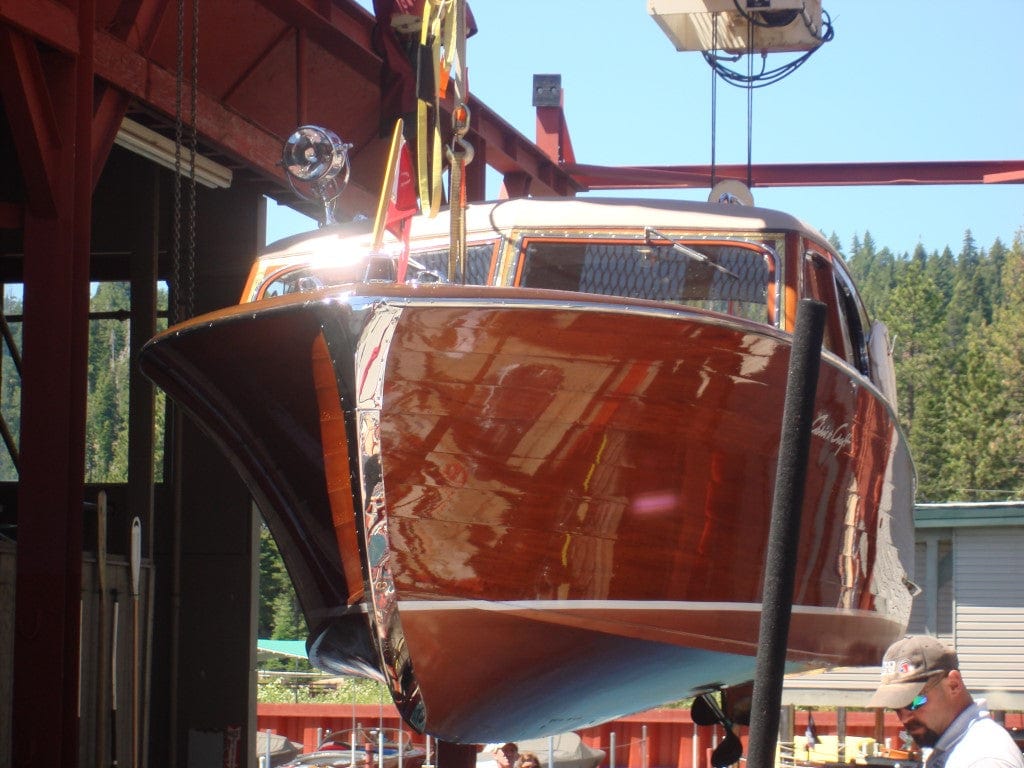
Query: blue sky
{"type": "Point", "coordinates": [902, 80]}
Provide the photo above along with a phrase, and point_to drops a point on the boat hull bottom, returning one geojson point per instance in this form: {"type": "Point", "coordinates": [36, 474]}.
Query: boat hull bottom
{"type": "Point", "coordinates": [564, 669]}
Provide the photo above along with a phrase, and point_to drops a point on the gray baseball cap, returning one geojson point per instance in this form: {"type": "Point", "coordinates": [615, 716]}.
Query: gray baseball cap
{"type": "Point", "coordinates": [908, 666]}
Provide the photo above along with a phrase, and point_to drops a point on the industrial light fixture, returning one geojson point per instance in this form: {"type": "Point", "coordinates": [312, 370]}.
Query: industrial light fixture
{"type": "Point", "coordinates": [151, 145]}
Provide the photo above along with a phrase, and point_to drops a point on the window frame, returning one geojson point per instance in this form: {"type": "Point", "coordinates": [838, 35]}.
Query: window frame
{"type": "Point", "coordinates": [762, 245]}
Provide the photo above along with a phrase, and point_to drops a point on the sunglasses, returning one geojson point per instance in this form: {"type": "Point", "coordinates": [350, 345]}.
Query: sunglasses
{"type": "Point", "coordinates": [921, 699]}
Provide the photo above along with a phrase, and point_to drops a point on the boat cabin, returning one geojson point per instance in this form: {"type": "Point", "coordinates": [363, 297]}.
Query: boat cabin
{"type": "Point", "coordinates": [746, 262]}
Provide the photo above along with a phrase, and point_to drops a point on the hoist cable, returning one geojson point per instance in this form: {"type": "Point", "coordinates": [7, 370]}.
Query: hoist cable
{"type": "Point", "coordinates": [717, 61]}
{"type": "Point", "coordinates": [750, 102]}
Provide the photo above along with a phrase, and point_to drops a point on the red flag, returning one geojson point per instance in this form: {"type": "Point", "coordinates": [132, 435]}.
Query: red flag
{"type": "Point", "coordinates": [399, 202]}
{"type": "Point", "coordinates": [403, 203]}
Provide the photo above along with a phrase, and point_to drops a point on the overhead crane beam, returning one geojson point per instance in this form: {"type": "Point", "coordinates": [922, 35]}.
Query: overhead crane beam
{"type": "Point", "coordinates": [800, 174]}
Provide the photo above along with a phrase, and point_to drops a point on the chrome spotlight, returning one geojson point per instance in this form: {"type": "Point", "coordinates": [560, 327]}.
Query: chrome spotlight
{"type": "Point", "coordinates": [316, 165]}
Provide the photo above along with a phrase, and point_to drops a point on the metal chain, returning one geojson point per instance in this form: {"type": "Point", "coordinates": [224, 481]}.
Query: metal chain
{"type": "Point", "coordinates": [190, 262]}
{"type": "Point", "coordinates": [460, 154]}
{"type": "Point", "coordinates": [183, 259]}
{"type": "Point", "coordinates": [178, 307]}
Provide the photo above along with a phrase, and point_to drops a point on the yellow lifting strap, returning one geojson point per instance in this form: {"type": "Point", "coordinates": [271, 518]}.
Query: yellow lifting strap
{"type": "Point", "coordinates": [428, 129]}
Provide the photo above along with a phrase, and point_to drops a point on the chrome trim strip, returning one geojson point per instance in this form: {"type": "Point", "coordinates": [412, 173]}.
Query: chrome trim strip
{"type": "Point", "coordinates": [370, 359]}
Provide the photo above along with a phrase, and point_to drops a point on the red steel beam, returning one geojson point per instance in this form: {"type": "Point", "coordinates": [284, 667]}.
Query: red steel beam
{"type": "Point", "coordinates": [49, 99]}
{"type": "Point", "coordinates": [343, 29]}
{"type": "Point", "coordinates": [800, 175]}
{"type": "Point", "coordinates": [35, 125]}
{"type": "Point", "coordinates": [509, 151]}
{"type": "Point", "coordinates": [231, 132]}
{"type": "Point", "coordinates": [1004, 178]}
{"type": "Point", "coordinates": [54, 23]}
{"type": "Point", "coordinates": [137, 24]}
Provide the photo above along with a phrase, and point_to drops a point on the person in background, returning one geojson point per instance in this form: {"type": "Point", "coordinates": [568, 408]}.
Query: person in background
{"type": "Point", "coordinates": [527, 760]}
{"type": "Point", "coordinates": [506, 755]}
{"type": "Point", "coordinates": [921, 681]}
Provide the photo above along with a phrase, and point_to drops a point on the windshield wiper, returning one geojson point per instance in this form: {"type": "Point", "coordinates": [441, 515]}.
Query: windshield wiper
{"type": "Point", "coordinates": [686, 250]}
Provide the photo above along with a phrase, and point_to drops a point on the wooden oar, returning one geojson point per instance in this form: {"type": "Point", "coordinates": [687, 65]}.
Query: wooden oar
{"type": "Point", "coordinates": [113, 687]}
{"type": "Point", "coordinates": [136, 567]}
{"type": "Point", "coordinates": [101, 623]}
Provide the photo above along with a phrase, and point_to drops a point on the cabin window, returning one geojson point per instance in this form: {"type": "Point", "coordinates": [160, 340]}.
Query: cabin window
{"type": "Point", "coordinates": [818, 284]}
{"type": "Point", "coordinates": [856, 320]}
{"type": "Point", "coordinates": [721, 276]}
{"type": "Point", "coordinates": [432, 265]}
{"type": "Point", "coordinates": [306, 279]}
{"type": "Point", "coordinates": [424, 266]}
{"type": "Point", "coordinates": [826, 281]}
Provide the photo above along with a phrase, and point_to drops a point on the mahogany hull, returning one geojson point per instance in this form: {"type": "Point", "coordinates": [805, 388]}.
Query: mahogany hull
{"type": "Point", "coordinates": [546, 509]}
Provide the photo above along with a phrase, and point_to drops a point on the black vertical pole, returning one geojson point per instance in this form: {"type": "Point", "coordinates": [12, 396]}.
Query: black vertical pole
{"type": "Point", "coordinates": [784, 532]}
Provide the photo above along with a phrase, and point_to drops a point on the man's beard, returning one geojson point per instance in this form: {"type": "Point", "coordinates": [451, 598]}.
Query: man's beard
{"type": "Point", "coordinates": [926, 738]}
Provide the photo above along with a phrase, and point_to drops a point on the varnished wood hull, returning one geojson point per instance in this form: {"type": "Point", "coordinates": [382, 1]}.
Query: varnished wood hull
{"type": "Point", "coordinates": [559, 503]}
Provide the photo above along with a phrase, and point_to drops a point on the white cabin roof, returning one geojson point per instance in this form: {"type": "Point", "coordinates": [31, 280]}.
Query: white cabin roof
{"type": "Point", "coordinates": [595, 214]}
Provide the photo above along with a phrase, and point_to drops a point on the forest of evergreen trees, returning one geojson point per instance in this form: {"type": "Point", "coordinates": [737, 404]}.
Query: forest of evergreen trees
{"type": "Point", "coordinates": [955, 320]}
{"type": "Point", "coordinates": [957, 328]}
{"type": "Point", "coordinates": [106, 447]}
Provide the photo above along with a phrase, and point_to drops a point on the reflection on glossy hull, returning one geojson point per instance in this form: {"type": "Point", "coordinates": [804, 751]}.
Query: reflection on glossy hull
{"type": "Point", "coordinates": [530, 511]}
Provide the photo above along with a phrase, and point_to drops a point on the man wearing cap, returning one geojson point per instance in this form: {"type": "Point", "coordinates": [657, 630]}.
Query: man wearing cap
{"type": "Point", "coordinates": [921, 681]}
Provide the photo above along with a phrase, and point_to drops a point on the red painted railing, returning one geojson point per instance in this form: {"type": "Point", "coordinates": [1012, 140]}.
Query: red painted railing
{"type": "Point", "coordinates": [658, 738]}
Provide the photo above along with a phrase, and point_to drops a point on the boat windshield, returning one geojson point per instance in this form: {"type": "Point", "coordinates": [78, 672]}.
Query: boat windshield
{"type": "Point", "coordinates": [425, 266]}
{"type": "Point", "coordinates": [730, 276]}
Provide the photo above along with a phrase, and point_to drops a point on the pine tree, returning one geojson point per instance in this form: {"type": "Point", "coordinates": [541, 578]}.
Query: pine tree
{"type": "Point", "coordinates": [996, 384]}
{"type": "Point", "coordinates": [271, 565]}
{"type": "Point", "coordinates": [836, 243]}
{"type": "Point", "coordinates": [107, 407]}
{"type": "Point", "coordinates": [915, 323]}
{"type": "Point", "coordinates": [968, 304]}
{"type": "Point", "coordinates": [941, 268]}
{"type": "Point", "coordinates": [992, 267]}
{"type": "Point", "coordinates": [289, 623]}
{"type": "Point", "coordinates": [280, 616]}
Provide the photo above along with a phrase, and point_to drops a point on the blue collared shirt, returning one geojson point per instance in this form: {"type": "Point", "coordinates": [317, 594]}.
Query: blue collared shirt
{"type": "Point", "coordinates": [975, 740]}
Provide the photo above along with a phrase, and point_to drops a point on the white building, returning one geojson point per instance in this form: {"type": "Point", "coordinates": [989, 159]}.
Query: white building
{"type": "Point", "coordinates": [969, 563]}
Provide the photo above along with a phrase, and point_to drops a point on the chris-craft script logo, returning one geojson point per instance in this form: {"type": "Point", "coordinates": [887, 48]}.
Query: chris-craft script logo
{"type": "Point", "coordinates": [836, 436]}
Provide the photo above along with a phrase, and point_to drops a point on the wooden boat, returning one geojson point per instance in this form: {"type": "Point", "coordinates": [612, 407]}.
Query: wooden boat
{"type": "Point", "coordinates": [539, 500]}
{"type": "Point", "coordinates": [363, 748]}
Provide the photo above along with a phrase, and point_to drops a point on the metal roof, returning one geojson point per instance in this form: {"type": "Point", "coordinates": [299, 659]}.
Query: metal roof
{"type": "Point", "coordinates": [292, 649]}
{"type": "Point", "coordinates": [961, 514]}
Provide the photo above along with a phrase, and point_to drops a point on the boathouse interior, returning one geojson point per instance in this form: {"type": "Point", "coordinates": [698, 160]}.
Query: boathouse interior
{"type": "Point", "coordinates": [106, 106]}
{"type": "Point", "coordinates": [101, 101]}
